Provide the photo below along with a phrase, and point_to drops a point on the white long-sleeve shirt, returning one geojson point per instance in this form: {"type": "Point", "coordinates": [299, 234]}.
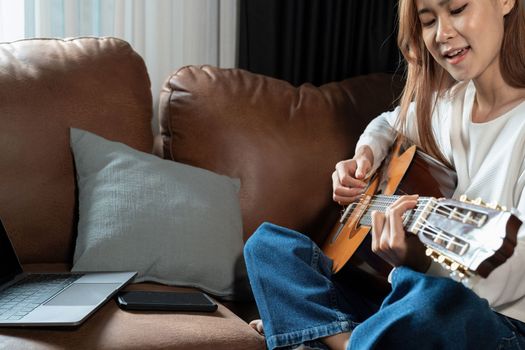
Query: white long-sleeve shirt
{"type": "Point", "coordinates": [489, 159]}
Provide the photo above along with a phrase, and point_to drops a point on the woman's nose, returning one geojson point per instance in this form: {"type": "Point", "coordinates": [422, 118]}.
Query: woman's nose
{"type": "Point", "coordinates": [445, 31]}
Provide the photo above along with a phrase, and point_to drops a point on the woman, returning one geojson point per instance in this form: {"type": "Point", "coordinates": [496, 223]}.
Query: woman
{"type": "Point", "coordinates": [463, 103]}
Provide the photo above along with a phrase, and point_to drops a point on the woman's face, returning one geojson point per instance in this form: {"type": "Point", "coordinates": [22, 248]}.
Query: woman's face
{"type": "Point", "coordinates": [464, 36]}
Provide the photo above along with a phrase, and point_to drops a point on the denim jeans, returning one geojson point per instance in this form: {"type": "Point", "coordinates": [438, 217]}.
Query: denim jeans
{"type": "Point", "coordinates": [300, 301]}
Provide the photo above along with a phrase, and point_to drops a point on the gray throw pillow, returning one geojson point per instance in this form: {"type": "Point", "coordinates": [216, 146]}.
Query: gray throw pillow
{"type": "Point", "coordinates": [172, 223]}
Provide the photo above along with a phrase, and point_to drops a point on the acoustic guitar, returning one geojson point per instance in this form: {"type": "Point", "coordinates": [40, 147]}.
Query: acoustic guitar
{"type": "Point", "coordinates": [468, 237]}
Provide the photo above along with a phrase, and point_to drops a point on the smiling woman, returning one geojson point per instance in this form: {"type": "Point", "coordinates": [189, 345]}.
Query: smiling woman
{"type": "Point", "coordinates": [454, 33]}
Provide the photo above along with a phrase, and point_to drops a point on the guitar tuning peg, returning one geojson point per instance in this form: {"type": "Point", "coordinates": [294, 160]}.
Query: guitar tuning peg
{"type": "Point", "coordinates": [478, 201]}
{"type": "Point", "coordinates": [454, 266]}
{"type": "Point", "coordinates": [493, 206]}
{"type": "Point", "coordinates": [459, 271]}
{"type": "Point", "coordinates": [496, 206]}
{"type": "Point", "coordinates": [431, 253]}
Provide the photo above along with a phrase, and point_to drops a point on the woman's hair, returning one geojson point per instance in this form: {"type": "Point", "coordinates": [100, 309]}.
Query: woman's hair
{"type": "Point", "coordinates": [425, 77]}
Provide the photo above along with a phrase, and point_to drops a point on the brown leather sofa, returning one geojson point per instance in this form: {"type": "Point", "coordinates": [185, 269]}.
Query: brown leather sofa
{"type": "Point", "coordinates": [282, 142]}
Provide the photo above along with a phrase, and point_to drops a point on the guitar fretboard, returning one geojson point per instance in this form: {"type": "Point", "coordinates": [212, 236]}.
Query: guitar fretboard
{"type": "Point", "coordinates": [414, 221]}
{"type": "Point", "coordinates": [381, 203]}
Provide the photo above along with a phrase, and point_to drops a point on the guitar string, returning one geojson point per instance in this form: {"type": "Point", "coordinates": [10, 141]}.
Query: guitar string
{"type": "Point", "coordinates": [383, 202]}
{"type": "Point", "coordinates": [434, 233]}
{"type": "Point", "coordinates": [445, 236]}
{"type": "Point", "coordinates": [388, 200]}
{"type": "Point", "coordinates": [442, 210]}
{"type": "Point", "coordinates": [448, 240]}
{"type": "Point", "coordinates": [378, 204]}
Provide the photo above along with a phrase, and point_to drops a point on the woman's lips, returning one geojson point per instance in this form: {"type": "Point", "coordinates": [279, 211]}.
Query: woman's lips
{"type": "Point", "coordinates": [456, 56]}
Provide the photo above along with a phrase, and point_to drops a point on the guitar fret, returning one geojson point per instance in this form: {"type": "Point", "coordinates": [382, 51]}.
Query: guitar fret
{"type": "Point", "coordinates": [381, 203]}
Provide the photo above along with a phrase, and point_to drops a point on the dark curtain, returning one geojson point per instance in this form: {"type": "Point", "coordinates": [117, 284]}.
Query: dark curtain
{"type": "Point", "coordinates": [318, 41]}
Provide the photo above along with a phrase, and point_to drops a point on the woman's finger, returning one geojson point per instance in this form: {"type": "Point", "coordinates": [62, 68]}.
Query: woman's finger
{"type": "Point", "coordinates": [346, 173]}
{"type": "Point", "coordinates": [378, 221]}
{"type": "Point", "coordinates": [397, 210]}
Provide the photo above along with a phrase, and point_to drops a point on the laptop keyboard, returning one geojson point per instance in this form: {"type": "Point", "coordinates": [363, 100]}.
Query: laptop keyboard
{"type": "Point", "coordinates": [25, 295]}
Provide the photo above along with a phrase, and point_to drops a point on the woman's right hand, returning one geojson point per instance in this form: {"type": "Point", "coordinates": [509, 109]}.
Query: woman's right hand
{"type": "Point", "coordinates": [347, 179]}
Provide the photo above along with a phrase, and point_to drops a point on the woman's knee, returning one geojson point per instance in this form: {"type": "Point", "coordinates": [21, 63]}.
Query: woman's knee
{"type": "Point", "coordinates": [428, 296]}
{"type": "Point", "coordinates": [270, 241]}
{"type": "Point", "coordinates": [258, 240]}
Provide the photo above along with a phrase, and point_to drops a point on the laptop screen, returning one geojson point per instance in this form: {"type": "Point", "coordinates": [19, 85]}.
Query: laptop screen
{"type": "Point", "coordinates": [9, 265]}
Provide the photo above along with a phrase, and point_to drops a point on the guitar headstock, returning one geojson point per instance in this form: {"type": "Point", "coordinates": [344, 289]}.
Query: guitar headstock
{"type": "Point", "coordinates": [467, 236]}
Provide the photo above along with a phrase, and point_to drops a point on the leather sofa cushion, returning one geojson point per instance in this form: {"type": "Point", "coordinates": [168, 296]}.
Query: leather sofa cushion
{"type": "Point", "coordinates": [48, 85]}
{"type": "Point", "coordinates": [281, 141]}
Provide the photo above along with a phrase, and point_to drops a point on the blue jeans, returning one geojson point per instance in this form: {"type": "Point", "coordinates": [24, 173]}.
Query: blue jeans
{"type": "Point", "coordinates": [300, 301]}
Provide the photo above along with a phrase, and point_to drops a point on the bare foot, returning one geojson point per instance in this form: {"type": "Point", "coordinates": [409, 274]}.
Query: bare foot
{"type": "Point", "coordinates": [258, 326]}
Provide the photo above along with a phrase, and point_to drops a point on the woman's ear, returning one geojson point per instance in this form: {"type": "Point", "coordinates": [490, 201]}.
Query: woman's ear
{"type": "Point", "coordinates": [507, 6]}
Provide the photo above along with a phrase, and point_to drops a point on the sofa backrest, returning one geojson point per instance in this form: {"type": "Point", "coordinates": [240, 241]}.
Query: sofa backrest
{"type": "Point", "coordinates": [281, 141]}
{"type": "Point", "coordinates": [46, 87]}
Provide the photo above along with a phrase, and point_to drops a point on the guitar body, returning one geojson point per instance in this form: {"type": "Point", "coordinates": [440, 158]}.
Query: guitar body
{"type": "Point", "coordinates": [406, 171]}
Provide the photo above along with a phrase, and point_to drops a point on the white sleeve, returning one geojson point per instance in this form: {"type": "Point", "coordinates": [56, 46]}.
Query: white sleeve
{"type": "Point", "coordinates": [379, 135]}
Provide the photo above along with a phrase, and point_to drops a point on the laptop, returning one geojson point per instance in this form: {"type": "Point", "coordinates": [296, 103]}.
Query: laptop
{"type": "Point", "coordinates": [51, 299]}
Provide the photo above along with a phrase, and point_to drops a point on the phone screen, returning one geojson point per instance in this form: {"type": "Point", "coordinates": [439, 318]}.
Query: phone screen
{"type": "Point", "coordinates": [169, 301]}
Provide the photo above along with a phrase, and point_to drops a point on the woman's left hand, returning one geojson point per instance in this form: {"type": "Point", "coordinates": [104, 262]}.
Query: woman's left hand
{"type": "Point", "coordinates": [392, 243]}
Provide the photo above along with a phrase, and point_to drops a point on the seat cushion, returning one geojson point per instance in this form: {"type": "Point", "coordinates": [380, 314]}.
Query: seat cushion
{"type": "Point", "coordinates": [112, 328]}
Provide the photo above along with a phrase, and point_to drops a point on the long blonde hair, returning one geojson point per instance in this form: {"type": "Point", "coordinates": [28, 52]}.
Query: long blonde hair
{"type": "Point", "coordinates": [425, 77]}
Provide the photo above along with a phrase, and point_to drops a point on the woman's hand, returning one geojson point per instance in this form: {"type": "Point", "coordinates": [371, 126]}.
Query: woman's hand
{"type": "Point", "coordinates": [392, 243]}
{"type": "Point", "coordinates": [347, 179]}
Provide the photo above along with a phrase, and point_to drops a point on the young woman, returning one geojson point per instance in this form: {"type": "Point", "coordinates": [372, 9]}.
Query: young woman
{"type": "Point", "coordinates": [463, 103]}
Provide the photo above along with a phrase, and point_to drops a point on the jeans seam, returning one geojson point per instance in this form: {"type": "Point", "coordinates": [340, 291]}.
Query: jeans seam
{"type": "Point", "coordinates": [315, 263]}
{"type": "Point", "coordinates": [508, 322]}
{"type": "Point", "coordinates": [312, 333]}
{"type": "Point", "coordinates": [508, 341]}
{"type": "Point", "coordinates": [315, 258]}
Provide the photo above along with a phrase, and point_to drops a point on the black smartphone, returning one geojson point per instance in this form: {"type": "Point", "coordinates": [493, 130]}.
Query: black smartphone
{"type": "Point", "coordinates": [167, 301]}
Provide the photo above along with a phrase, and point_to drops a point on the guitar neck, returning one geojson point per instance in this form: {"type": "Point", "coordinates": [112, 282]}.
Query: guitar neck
{"type": "Point", "coordinates": [381, 203]}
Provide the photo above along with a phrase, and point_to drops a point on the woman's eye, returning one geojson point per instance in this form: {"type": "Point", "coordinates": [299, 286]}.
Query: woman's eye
{"type": "Point", "coordinates": [458, 10]}
{"type": "Point", "coordinates": [428, 23]}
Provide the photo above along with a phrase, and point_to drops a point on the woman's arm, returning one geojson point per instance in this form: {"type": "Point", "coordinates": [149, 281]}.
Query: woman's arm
{"type": "Point", "coordinates": [349, 175]}
{"type": "Point", "coordinates": [379, 136]}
